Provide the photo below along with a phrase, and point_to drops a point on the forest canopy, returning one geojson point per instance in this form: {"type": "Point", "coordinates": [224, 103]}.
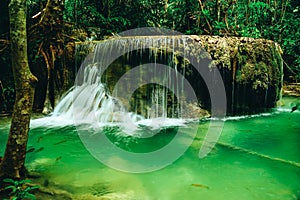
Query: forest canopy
{"type": "Point", "coordinates": [277, 20]}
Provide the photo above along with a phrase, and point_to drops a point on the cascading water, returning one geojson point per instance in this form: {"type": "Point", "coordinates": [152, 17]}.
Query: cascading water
{"type": "Point", "coordinates": [93, 98]}
{"type": "Point", "coordinates": [90, 100]}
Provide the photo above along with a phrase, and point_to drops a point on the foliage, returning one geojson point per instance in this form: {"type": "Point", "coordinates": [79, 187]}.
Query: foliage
{"type": "Point", "coordinates": [7, 88]}
{"type": "Point", "coordinates": [7, 96]}
{"type": "Point", "coordinates": [101, 17]}
{"type": "Point", "coordinates": [276, 20]}
{"type": "Point", "coordinates": [18, 189]}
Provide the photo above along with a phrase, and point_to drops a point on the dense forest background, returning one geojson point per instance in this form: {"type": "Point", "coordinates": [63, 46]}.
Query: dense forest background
{"type": "Point", "coordinates": [54, 26]}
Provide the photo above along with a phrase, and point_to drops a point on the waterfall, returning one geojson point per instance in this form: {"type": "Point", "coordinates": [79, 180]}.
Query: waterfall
{"type": "Point", "coordinates": [90, 100]}
{"type": "Point", "coordinates": [97, 96]}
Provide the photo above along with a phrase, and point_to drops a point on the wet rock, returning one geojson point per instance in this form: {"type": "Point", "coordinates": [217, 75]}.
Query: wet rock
{"type": "Point", "coordinates": [251, 69]}
{"type": "Point", "coordinates": [53, 193]}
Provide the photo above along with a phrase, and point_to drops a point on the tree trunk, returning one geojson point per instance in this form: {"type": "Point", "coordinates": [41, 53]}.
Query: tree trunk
{"type": "Point", "coordinates": [12, 165]}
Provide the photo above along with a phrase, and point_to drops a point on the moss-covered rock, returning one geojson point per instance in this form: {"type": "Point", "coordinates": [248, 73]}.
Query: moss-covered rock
{"type": "Point", "coordinates": [251, 69]}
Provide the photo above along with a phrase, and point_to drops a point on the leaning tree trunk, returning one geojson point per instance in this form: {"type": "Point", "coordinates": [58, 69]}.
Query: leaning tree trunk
{"type": "Point", "coordinates": [14, 157]}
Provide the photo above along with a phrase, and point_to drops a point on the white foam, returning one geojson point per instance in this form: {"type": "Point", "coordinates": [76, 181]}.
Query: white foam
{"type": "Point", "coordinates": [241, 117]}
{"type": "Point", "coordinates": [157, 123]}
{"type": "Point", "coordinates": [285, 109]}
{"type": "Point", "coordinates": [51, 121]}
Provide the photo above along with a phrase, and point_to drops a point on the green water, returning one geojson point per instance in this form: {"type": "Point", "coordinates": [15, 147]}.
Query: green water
{"type": "Point", "coordinates": [248, 163]}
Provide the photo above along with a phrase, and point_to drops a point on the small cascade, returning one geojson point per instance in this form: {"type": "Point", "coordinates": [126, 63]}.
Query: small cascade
{"type": "Point", "coordinates": [90, 101]}
{"type": "Point", "coordinates": [159, 104]}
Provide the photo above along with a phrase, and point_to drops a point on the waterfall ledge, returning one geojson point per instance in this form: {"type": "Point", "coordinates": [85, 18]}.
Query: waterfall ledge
{"type": "Point", "coordinates": [251, 69]}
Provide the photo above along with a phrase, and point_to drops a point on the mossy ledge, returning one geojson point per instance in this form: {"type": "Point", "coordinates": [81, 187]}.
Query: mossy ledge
{"type": "Point", "coordinates": [252, 70]}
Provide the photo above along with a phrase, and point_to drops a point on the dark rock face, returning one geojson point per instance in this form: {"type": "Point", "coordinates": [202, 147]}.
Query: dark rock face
{"type": "Point", "coordinates": [252, 70]}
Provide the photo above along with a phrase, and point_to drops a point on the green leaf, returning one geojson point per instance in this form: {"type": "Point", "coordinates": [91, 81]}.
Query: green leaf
{"type": "Point", "coordinates": [9, 187]}
{"type": "Point", "coordinates": [8, 180]}
{"type": "Point", "coordinates": [31, 188]}
{"type": "Point", "coordinates": [24, 181]}
{"type": "Point", "coordinates": [16, 183]}
{"type": "Point", "coordinates": [31, 196]}
{"type": "Point", "coordinates": [14, 190]}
